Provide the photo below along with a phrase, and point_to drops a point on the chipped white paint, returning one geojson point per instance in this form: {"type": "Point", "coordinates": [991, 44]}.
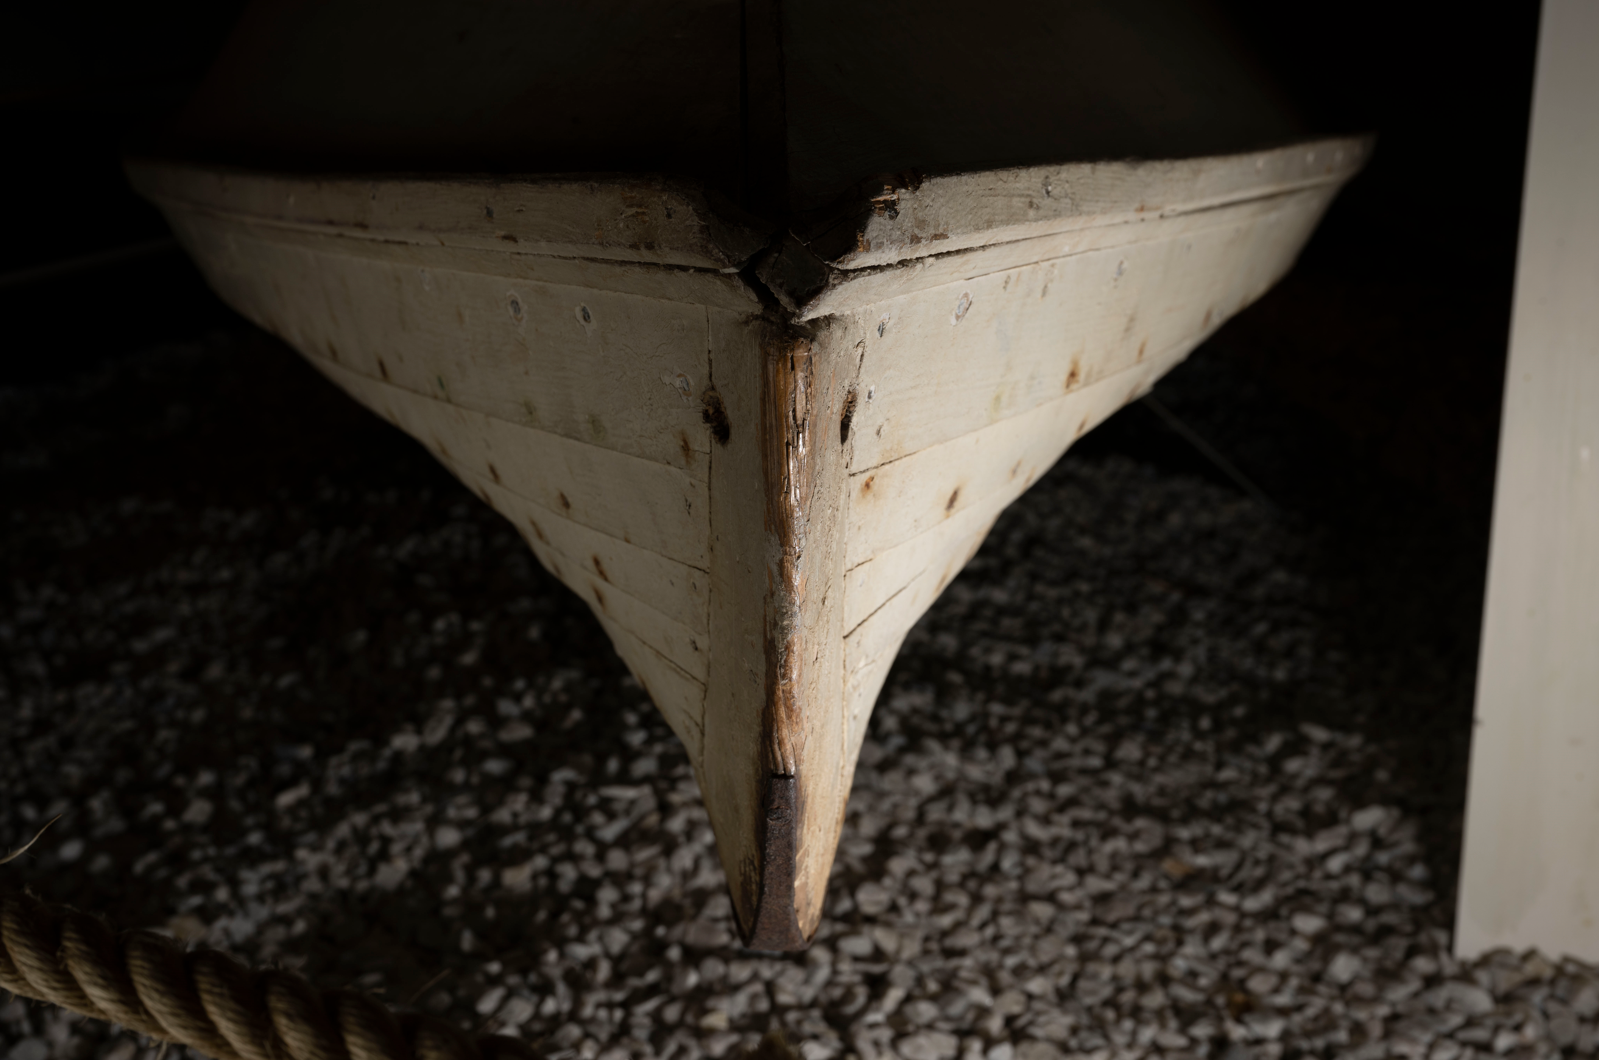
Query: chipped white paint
{"type": "Point", "coordinates": [1530, 871]}
{"type": "Point", "coordinates": [580, 384]}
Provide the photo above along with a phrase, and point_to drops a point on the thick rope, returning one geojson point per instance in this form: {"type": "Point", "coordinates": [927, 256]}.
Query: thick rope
{"type": "Point", "coordinates": [208, 1001]}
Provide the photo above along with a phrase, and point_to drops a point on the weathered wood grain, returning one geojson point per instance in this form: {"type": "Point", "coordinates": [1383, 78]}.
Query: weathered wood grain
{"type": "Point", "coordinates": [894, 502]}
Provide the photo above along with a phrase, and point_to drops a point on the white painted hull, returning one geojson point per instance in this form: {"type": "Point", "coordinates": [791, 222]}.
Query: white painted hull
{"type": "Point", "coordinates": [572, 351]}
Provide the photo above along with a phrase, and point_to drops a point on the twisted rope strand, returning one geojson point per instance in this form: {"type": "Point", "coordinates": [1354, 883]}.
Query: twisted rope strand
{"type": "Point", "coordinates": [208, 1001]}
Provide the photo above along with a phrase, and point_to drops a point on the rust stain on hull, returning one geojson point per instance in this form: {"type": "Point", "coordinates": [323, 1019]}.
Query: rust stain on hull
{"type": "Point", "coordinates": [776, 926]}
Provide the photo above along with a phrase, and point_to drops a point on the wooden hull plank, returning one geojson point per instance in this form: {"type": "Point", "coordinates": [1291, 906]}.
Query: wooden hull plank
{"type": "Point", "coordinates": [870, 585]}
{"type": "Point", "coordinates": [1013, 340]}
{"type": "Point", "coordinates": [894, 502]}
{"type": "Point", "coordinates": [677, 695]}
{"type": "Point", "coordinates": [614, 370]}
{"type": "Point", "coordinates": [850, 291]}
{"type": "Point", "coordinates": [650, 505]}
{"type": "Point", "coordinates": [675, 590]}
{"type": "Point", "coordinates": [227, 241]}
{"type": "Point", "coordinates": [733, 773]}
{"type": "Point", "coordinates": [673, 640]}
{"type": "Point", "coordinates": [643, 220]}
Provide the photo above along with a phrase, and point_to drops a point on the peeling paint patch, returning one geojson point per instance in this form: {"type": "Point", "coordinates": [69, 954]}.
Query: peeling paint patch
{"type": "Point", "coordinates": [681, 383]}
{"type": "Point", "coordinates": [962, 306]}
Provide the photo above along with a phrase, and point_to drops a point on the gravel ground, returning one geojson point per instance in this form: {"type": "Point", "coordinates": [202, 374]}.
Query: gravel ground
{"type": "Point", "coordinates": [1159, 776]}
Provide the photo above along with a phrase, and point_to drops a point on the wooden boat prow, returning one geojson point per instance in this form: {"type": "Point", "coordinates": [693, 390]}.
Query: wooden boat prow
{"type": "Point", "coordinates": [758, 411]}
{"type": "Point", "coordinates": [758, 456]}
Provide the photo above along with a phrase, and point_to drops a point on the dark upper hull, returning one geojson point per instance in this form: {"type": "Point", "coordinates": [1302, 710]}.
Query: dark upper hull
{"type": "Point", "coordinates": [781, 107]}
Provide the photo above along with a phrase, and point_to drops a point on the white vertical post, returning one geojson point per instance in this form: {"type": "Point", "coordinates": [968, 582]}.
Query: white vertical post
{"type": "Point", "coordinates": [1530, 871]}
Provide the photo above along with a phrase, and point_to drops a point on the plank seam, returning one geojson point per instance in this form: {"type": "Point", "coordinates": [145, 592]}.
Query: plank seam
{"type": "Point", "coordinates": [312, 353]}
{"type": "Point", "coordinates": [562, 437]}
{"type": "Point", "coordinates": [891, 596]}
{"type": "Point", "coordinates": [333, 231]}
{"type": "Point", "coordinates": [469, 478]}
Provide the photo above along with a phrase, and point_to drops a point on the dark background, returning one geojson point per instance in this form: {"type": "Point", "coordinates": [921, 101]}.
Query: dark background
{"type": "Point", "coordinates": [1362, 394]}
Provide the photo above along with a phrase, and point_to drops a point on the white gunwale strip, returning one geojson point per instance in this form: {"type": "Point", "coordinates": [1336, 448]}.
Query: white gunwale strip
{"type": "Point", "coordinates": [612, 217]}
{"type": "Point", "coordinates": [666, 281]}
{"type": "Point", "coordinates": [855, 289]}
{"type": "Point", "coordinates": [966, 210]}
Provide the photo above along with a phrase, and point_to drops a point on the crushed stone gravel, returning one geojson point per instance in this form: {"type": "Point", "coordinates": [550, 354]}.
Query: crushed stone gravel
{"type": "Point", "coordinates": [1128, 793]}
